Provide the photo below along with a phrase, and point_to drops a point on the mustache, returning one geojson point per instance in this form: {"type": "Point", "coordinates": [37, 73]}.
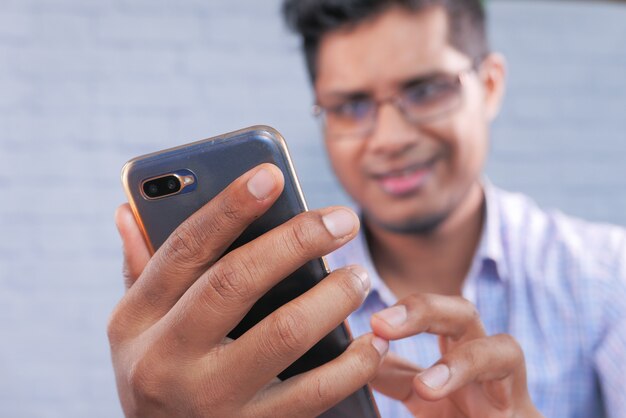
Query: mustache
{"type": "Point", "coordinates": [391, 170]}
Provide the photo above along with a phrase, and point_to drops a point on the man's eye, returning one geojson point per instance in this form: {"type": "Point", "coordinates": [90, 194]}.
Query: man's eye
{"type": "Point", "coordinates": [426, 92]}
{"type": "Point", "coordinates": [355, 109]}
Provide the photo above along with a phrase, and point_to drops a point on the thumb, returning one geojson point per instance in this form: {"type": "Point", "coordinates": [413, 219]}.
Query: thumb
{"type": "Point", "coordinates": [136, 251]}
{"type": "Point", "coordinates": [395, 377]}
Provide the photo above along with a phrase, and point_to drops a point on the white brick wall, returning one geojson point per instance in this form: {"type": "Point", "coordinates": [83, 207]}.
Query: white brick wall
{"type": "Point", "coordinates": [562, 133]}
{"type": "Point", "coordinates": [87, 84]}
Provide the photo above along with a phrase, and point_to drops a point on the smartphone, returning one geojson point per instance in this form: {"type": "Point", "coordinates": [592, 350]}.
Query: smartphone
{"type": "Point", "coordinates": [164, 188]}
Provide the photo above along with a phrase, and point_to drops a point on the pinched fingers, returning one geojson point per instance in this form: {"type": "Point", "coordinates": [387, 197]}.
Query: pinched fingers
{"type": "Point", "coordinates": [310, 394]}
{"type": "Point", "coordinates": [488, 361]}
{"type": "Point", "coordinates": [448, 316]}
{"type": "Point", "coordinates": [480, 375]}
{"type": "Point", "coordinates": [221, 297]}
{"type": "Point", "coordinates": [395, 377]}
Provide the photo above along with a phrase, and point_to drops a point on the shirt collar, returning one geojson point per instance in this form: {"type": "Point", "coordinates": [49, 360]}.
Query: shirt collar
{"type": "Point", "coordinates": [378, 286]}
{"type": "Point", "coordinates": [491, 247]}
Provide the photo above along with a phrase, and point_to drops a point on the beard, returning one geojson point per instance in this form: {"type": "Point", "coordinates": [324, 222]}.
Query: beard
{"type": "Point", "coordinates": [422, 226]}
{"type": "Point", "coordinates": [425, 224]}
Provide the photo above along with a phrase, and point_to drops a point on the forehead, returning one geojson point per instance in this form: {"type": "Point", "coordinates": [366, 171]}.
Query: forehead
{"type": "Point", "coordinates": [394, 46]}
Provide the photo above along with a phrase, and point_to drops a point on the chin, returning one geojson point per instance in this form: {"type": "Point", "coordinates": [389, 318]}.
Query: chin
{"type": "Point", "coordinates": [422, 225]}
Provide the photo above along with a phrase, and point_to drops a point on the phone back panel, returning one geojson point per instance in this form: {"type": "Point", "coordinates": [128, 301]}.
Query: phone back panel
{"type": "Point", "coordinates": [216, 162]}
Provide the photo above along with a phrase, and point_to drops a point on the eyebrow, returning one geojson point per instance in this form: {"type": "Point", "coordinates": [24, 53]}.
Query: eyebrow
{"type": "Point", "coordinates": [421, 79]}
{"type": "Point", "coordinates": [348, 95]}
{"type": "Point", "coordinates": [361, 94]}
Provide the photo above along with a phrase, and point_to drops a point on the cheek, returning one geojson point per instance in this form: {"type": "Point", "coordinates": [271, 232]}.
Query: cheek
{"type": "Point", "coordinates": [344, 158]}
{"type": "Point", "coordinates": [469, 149]}
{"type": "Point", "coordinates": [455, 137]}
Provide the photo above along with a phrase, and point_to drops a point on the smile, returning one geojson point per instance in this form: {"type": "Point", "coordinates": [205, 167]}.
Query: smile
{"type": "Point", "coordinates": [407, 181]}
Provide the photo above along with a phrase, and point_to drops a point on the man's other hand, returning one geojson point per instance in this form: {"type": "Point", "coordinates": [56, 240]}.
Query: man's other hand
{"type": "Point", "coordinates": [478, 376]}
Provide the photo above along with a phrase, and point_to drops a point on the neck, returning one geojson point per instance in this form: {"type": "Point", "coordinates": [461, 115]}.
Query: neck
{"type": "Point", "coordinates": [437, 262]}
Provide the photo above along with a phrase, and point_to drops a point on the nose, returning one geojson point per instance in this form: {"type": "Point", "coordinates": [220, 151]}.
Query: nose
{"type": "Point", "coordinates": [393, 134]}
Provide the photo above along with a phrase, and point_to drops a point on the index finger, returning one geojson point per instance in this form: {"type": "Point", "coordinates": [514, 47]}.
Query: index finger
{"type": "Point", "coordinates": [448, 316]}
{"type": "Point", "coordinates": [488, 360]}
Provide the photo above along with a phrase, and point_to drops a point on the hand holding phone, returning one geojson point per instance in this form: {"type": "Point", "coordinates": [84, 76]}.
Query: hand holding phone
{"type": "Point", "coordinates": [168, 334]}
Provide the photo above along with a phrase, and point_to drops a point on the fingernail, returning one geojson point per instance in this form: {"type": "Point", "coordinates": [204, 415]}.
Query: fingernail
{"type": "Point", "coordinates": [435, 377]}
{"type": "Point", "coordinates": [261, 184]}
{"type": "Point", "coordinates": [394, 316]}
{"type": "Point", "coordinates": [340, 222]}
{"type": "Point", "coordinates": [380, 345]}
{"type": "Point", "coordinates": [361, 273]}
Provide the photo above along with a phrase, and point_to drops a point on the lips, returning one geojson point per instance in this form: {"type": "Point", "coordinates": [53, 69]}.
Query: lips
{"type": "Point", "coordinates": [405, 181]}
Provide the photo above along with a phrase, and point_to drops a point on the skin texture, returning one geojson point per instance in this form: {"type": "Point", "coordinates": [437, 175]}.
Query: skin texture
{"type": "Point", "coordinates": [167, 334]}
{"type": "Point", "coordinates": [376, 58]}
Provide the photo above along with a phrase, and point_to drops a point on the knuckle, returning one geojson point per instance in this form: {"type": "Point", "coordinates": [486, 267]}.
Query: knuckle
{"type": "Point", "coordinates": [469, 318]}
{"type": "Point", "coordinates": [226, 281]}
{"type": "Point", "coordinates": [349, 287]}
{"type": "Point", "coordinates": [300, 239]}
{"type": "Point", "coordinates": [230, 208]}
{"type": "Point", "coordinates": [366, 362]}
{"type": "Point", "coordinates": [291, 331]}
{"type": "Point", "coordinates": [423, 308]}
{"type": "Point", "coordinates": [420, 301]}
{"type": "Point", "coordinates": [118, 326]}
{"type": "Point", "coordinates": [114, 331]}
{"type": "Point", "coordinates": [509, 340]}
{"type": "Point", "coordinates": [186, 241]}
{"type": "Point", "coordinates": [471, 356]}
{"type": "Point", "coordinates": [370, 363]}
{"type": "Point", "coordinates": [471, 310]}
{"type": "Point", "coordinates": [147, 382]}
{"type": "Point", "coordinates": [323, 392]}
{"type": "Point", "coordinates": [511, 345]}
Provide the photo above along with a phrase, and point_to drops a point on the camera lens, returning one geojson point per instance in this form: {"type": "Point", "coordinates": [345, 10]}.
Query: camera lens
{"type": "Point", "coordinates": [161, 187]}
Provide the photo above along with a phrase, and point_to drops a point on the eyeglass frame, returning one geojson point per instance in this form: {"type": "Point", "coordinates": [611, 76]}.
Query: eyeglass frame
{"type": "Point", "coordinates": [396, 100]}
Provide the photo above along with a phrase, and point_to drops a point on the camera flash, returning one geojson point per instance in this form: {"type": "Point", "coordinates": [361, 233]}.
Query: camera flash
{"type": "Point", "coordinates": [188, 180]}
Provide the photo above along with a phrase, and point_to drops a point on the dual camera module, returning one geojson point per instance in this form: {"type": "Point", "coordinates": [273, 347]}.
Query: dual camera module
{"type": "Point", "coordinates": [169, 184]}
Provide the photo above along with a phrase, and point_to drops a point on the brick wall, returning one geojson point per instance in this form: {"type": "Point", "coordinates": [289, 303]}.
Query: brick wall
{"type": "Point", "coordinates": [87, 84]}
{"type": "Point", "coordinates": [562, 133]}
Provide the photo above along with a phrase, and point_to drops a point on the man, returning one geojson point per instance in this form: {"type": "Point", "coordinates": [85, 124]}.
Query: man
{"type": "Point", "coordinates": [465, 278]}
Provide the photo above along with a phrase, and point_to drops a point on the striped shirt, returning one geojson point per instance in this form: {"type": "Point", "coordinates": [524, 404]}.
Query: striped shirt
{"type": "Point", "coordinates": [555, 283]}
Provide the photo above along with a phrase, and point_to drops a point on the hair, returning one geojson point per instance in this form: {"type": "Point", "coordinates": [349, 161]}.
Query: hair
{"type": "Point", "coordinates": [312, 19]}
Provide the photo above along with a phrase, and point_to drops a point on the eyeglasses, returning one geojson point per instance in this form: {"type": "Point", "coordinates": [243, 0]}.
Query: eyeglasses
{"type": "Point", "coordinates": [422, 101]}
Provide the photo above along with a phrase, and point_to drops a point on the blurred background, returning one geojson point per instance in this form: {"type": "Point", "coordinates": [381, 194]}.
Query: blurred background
{"type": "Point", "coordinates": [86, 85]}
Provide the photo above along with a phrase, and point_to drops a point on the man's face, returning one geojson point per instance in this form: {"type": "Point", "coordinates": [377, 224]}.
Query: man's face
{"type": "Point", "coordinates": [405, 176]}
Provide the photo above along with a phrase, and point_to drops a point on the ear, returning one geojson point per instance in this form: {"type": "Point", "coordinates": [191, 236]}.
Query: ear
{"type": "Point", "coordinates": [492, 72]}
